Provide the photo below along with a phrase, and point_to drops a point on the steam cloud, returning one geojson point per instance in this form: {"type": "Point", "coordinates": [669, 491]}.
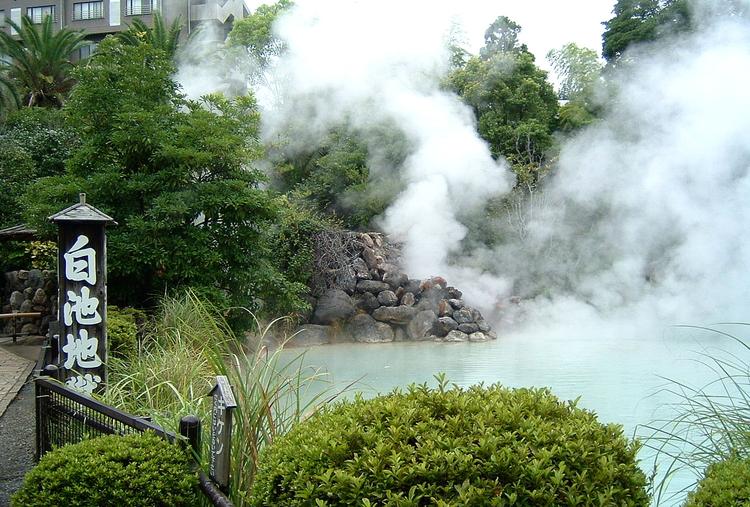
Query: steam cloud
{"type": "Point", "coordinates": [645, 215]}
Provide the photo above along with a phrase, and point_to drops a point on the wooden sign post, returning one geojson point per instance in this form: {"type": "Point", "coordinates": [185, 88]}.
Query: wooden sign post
{"type": "Point", "coordinates": [221, 431]}
{"type": "Point", "coordinates": [82, 295]}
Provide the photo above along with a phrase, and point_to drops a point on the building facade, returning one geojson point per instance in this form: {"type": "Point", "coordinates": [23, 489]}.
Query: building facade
{"type": "Point", "coordinates": [98, 18]}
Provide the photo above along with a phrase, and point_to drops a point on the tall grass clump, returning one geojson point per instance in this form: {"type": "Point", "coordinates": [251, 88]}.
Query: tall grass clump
{"type": "Point", "coordinates": [708, 424]}
{"type": "Point", "coordinates": [174, 370]}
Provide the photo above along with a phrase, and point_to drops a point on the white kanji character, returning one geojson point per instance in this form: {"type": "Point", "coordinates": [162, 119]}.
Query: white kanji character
{"type": "Point", "coordinates": [81, 351]}
{"type": "Point", "coordinates": [86, 383]}
{"type": "Point", "coordinates": [84, 306]}
{"type": "Point", "coordinates": [80, 263]}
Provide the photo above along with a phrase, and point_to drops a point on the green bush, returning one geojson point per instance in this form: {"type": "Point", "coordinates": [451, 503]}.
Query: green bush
{"type": "Point", "coordinates": [122, 330]}
{"type": "Point", "coordinates": [725, 484]}
{"type": "Point", "coordinates": [134, 470]}
{"type": "Point", "coordinates": [479, 446]}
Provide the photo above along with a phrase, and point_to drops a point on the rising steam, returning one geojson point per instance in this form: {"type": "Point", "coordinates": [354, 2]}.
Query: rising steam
{"type": "Point", "coordinates": [645, 215]}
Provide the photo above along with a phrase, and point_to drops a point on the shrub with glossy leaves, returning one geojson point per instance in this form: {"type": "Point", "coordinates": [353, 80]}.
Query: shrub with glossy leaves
{"type": "Point", "coordinates": [478, 446]}
{"type": "Point", "coordinates": [725, 484]}
{"type": "Point", "coordinates": [134, 470]}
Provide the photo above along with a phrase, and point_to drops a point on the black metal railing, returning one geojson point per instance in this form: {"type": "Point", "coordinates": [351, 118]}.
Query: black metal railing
{"type": "Point", "coordinates": [65, 416]}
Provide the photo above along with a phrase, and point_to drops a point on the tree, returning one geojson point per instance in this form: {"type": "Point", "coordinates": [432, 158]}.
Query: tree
{"type": "Point", "coordinates": [39, 61]}
{"type": "Point", "coordinates": [174, 174]}
{"type": "Point", "coordinates": [643, 21]}
{"type": "Point", "coordinates": [501, 37]}
{"type": "Point", "coordinates": [516, 107]}
{"type": "Point", "coordinates": [255, 33]}
{"type": "Point", "coordinates": [578, 70]}
{"type": "Point", "coordinates": [161, 36]}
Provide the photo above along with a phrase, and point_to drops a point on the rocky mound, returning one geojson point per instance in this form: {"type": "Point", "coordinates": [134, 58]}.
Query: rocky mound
{"type": "Point", "coordinates": [364, 296]}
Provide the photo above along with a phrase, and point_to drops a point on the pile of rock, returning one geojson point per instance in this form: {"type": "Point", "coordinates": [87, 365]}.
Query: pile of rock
{"type": "Point", "coordinates": [378, 302]}
{"type": "Point", "coordinates": [27, 292]}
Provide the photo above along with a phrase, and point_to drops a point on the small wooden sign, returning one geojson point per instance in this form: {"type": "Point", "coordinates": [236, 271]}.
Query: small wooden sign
{"type": "Point", "coordinates": [221, 431]}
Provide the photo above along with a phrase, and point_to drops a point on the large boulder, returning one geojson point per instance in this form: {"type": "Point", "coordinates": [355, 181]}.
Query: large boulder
{"type": "Point", "coordinates": [367, 302]}
{"type": "Point", "coordinates": [387, 298]}
{"type": "Point", "coordinates": [373, 286]}
{"type": "Point", "coordinates": [421, 326]}
{"type": "Point", "coordinates": [463, 316]}
{"type": "Point", "coordinates": [364, 329]}
{"type": "Point", "coordinates": [333, 305]}
{"type": "Point", "coordinates": [16, 300]}
{"type": "Point", "coordinates": [395, 279]}
{"type": "Point", "coordinates": [309, 335]}
{"type": "Point", "coordinates": [398, 315]}
{"type": "Point", "coordinates": [445, 325]}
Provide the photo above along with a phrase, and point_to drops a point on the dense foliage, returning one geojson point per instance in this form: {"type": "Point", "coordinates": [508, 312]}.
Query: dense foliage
{"type": "Point", "coordinates": [515, 106]}
{"type": "Point", "coordinates": [175, 175]}
{"type": "Point", "coordinates": [479, 446]}
{"type": "Point", "coordinates": [135, 470]}
{"type": "Point", "coordinates": [725, 484]}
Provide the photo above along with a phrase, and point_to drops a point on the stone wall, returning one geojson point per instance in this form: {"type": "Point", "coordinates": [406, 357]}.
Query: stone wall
{"type": "Point", "coordinates": [368, 298]}
{"type": "Point", "coordinates": [29, 291]}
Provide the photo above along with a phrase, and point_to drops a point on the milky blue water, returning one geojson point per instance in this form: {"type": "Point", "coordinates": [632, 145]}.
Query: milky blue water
{"type": "Point", "coordinates": [622, 380]}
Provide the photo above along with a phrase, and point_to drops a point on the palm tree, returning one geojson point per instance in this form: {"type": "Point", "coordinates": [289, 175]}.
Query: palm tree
{"type": "Point", "coordinates": [8, 94]}
{"type": "Point", "coordinates": [160, 36]}
{"type": "Point", "coordinates": [38, 63]}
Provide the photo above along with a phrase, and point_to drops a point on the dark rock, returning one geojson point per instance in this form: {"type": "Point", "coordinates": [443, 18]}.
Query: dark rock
{"type": "Point", "coordinates": [399, 293]}
{"type": "Point", "coordinates": [361, 271]}
{"type": "Point", "coordinates": [347, 281]}
{"type": "Point", "coordinates": [463, 316]}
{"type": "Point", "coordinates": [333, 305]}
{"type": "Point", "coordinates": [412, 285]}
{"type": "Point", "coordinates": [40, 297]}
{"type": "Point", "coordinates": [484, 326]}
{"type": "Point", "coordinates": [39, 308]}
{"type": "Point", "coordinates": [28, 293]}
{"type": "Point", "coordinates": [475, 314]}
{"type": "Point", "coordinates": [7, 309]}
{"type": "Point", "coordinates": [394, 314]}
{"type": "Point", "coordinates": [16, 300]}
{"type": "Point", "coordinates": [364, 329]}
{"type": "Point", "coordinates": [26, 306]}
{"type": "Point", "coordinates": [387, 298]}
{"type": "Point", "coordinates": [408, 299]}
{"type": "Point", "coordinates": [309, 335]}
{"type": "Point", "coordinates": [456, 303]}
{"type": "Point", "coordinates": [478, 337]}
{"type": "Point", "coordinates": [369, 256]}
{"type": "Point", "coordinates": [35, 280]}
{"type": "Point", "coordinates": [468, 327]}
{"type": "Point", "coordinates": [456, 336]}
{"type": "Point", "coordinates": [372, 286]}
{"type": "Point", "coordinates": [375, 274]}
{"type": "Point", "coordinates": [50, 287]}
{"type": "Point", "coordinates": [454, 293]}
{"type": "Point", "coordinates": [367, 302]}
{"type": "Point", "coordinates": [421, 325]}
{"type": "Point", "coordinates": [395, 279]}
{"type": "Point", "coordinates": [445, 325]}
{"type": "Point", "coordinates": [23, 275]}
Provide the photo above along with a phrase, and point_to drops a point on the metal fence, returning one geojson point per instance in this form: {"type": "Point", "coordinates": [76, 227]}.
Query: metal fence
{"type": "Point", "coordinates": [65, 416]}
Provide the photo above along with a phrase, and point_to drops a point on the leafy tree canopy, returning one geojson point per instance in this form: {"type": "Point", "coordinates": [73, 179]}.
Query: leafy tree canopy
{"type": "Point", "coordinates": [515, 105]}
{"type": "Point", "coordinates": [172, 173]}
{"type": "Point", "coordinates": [255, 32]}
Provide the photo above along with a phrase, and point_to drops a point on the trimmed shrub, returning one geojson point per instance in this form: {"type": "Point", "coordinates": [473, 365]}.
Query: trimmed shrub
{"type": "Point", "coordinates": [479, 446]}
{"type": "Point", "coordinates": [725, 484]}
{"type": "Point", "coordinates": [134, 470]}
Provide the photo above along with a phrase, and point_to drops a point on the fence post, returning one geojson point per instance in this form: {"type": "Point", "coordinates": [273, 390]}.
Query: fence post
{"type": "Point", "coordinates": [190, 428]}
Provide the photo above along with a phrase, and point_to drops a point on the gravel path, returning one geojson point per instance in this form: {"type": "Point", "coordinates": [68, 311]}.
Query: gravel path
{"type": "Point", "coordinates": [16, 442]}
